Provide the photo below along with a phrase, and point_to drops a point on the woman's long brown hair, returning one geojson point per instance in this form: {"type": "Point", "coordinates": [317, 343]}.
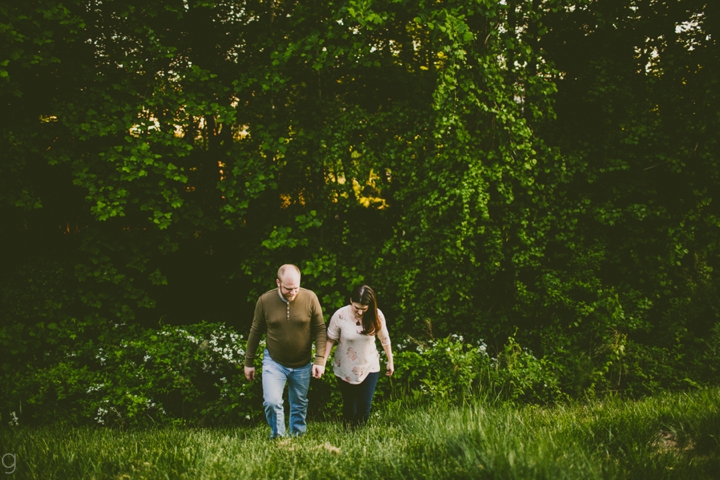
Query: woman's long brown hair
{"type": "Point", "coordinates": [365, 295]}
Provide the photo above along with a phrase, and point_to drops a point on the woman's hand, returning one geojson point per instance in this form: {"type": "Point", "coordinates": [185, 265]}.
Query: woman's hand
{"type": "Point", "coordinates": [390, 368]}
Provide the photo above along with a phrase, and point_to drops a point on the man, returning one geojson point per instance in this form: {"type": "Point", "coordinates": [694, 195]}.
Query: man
{"type": "Point", "coordinates": [291, 318]}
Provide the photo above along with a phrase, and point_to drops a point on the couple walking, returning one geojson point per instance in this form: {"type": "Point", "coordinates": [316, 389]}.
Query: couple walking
{"type": "Point", "coordinates": [291, 318]}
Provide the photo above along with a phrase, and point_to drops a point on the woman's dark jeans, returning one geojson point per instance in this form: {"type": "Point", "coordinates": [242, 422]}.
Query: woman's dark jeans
{"type": "Point", "coordinates": [357, 399]}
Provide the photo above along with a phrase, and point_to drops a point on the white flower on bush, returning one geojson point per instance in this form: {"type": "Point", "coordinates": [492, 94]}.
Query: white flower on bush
{"type": "Point", "coordinates": [402, 345]}
{"type": "Point", "coordinates": [100, 416]}
{"type": "Point", "coordinates": [457, 337]}
{"type": "Point", "coordinates": [14, 420]}
{"type": "Point", "coordinates": [188, 336]}
{"type": "Point", "coordinates": [100, 356]}
{"type": "Point", "coordinates": [95, 388]}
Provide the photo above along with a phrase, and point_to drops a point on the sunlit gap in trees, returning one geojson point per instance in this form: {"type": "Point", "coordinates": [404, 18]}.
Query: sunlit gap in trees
{"type": "Point", "coordinates": [367, 191]}
{"type": "Point", "coordinates": [690, 35]}
{"type": "Point", "coordinates": [689, 31]}
{"type": "Point", "coordinates": [148, 122]}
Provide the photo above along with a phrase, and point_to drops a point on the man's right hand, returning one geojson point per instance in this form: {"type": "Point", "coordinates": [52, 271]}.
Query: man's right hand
{"type": "Point", "coordinates": [250, 373]}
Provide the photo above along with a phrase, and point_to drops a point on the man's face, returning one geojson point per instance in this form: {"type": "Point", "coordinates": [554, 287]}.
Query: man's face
{"type": "Point", "coordinates": [289, 285]}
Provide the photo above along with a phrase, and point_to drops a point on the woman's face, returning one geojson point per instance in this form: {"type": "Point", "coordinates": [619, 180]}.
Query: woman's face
{"type": "Point", "coordinates": [358, 309]}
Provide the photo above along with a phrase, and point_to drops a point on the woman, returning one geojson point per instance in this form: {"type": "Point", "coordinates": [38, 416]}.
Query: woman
{"type": "Point", "coordinates": [357, 362]}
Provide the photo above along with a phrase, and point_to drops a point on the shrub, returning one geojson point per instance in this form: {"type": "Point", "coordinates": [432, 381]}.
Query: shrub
{"type": "Point", "coordinates": [190, 374]}
{"type": "Point", "coordinates": [518, 375]}
{"type": "Point", "coordinates": [445, 368]}
{"type": "Point", "coordinates": [451, 369]}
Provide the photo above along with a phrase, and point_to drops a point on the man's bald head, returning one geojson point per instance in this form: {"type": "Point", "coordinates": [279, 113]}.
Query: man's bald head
{"type": "Point", "coordinates": [288, 281]}
{"type": "Point", "coordinates": [287, 268]}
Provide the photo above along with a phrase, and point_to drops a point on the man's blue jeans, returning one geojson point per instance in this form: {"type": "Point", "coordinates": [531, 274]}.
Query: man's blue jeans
{"type": "Point", "coordinates": [274, 378]}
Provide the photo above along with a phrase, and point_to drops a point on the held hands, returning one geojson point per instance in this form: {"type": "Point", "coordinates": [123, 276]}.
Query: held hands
{"type": "Point", "coordinates": [317, 371]}
{"type": "Point", "coordinates": [390, 368]}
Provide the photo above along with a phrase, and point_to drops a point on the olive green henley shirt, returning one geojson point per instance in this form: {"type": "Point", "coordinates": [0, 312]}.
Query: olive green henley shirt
{"type": "Point", "coordinates": [290, 328]}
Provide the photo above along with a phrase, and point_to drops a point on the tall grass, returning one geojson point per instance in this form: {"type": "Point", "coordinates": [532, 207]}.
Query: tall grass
{"type": "Point", "coordinates": [669, 436]}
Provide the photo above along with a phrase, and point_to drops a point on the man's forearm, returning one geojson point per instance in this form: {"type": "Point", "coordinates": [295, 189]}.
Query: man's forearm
{"type": "Point", "coordinates": [320, 345]}
{"type": "Point", "coordinates": [251, 351]}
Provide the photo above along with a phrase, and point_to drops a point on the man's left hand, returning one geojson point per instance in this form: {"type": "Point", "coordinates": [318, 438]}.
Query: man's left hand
{"type": "Point", "coordinates": [317, 371]}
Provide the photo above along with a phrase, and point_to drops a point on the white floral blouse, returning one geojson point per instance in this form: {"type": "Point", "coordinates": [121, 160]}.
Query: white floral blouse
{"type": "Point", "coordinates": [356, 354]}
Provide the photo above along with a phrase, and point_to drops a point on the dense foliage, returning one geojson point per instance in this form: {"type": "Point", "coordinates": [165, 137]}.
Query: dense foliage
{"type": "Point", "coordinates": [192, 375]}
{"type": "Point", "coordinates": [540, 170]}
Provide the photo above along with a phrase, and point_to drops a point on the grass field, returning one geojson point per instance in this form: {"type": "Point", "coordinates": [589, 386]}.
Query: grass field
{"type": "Point", "coordinates": [668, 436]}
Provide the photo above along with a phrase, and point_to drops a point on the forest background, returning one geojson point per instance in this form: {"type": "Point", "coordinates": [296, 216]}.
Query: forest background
{"type": "Point", "coordinates": [531, 182]}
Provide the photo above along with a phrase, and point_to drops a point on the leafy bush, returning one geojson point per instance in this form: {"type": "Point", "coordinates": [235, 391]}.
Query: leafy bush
{"type": "Point", "coordinates": [175, 374]}
{"type": "Point", "coordinates": [445, 368]}
{"type": "Point", "coordinates": [190, 374]}
{"type": "Point", "coordinates": [193, 375]}
{"type": "Point", "coordinates": [518, 375]}
{"type": "Point", "coordinates": [451, 369]}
